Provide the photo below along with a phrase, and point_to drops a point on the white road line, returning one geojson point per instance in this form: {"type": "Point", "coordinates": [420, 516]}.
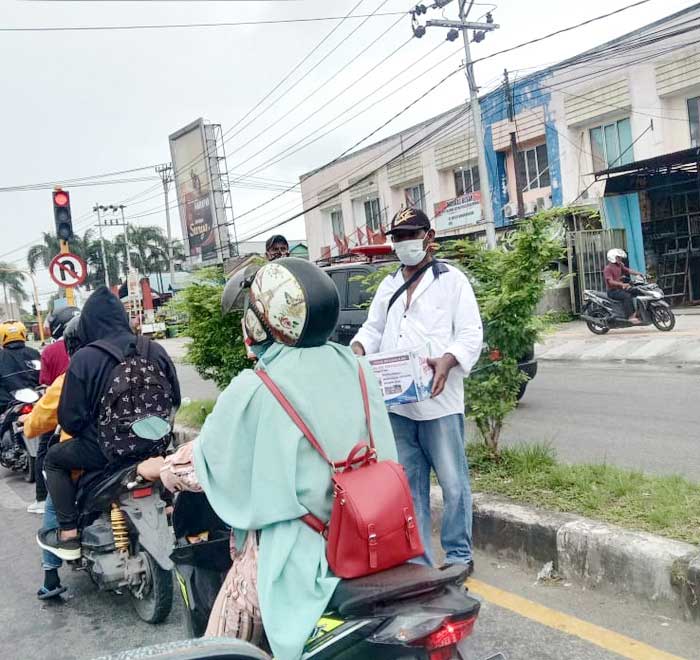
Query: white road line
{"type": "Point", "coordinates": [9, 499]}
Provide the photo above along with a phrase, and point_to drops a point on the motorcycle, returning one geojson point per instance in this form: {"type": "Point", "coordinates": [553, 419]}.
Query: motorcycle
{"type": "Point", "coordinates": [602, 314]}
{"type": "Point", "coordinates": [18, 453]}
{"type": "Point", "coordinates": [126, 540]}
{"type": "Point", "coordinates": [409, 612]}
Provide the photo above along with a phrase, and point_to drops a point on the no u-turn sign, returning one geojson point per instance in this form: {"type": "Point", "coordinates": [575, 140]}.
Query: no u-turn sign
{"type": "Point", "coordinates": [68, 270]}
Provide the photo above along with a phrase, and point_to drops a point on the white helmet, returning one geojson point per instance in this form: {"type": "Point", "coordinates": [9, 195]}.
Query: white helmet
{"type": "Point", "coordinates": [615, 253]}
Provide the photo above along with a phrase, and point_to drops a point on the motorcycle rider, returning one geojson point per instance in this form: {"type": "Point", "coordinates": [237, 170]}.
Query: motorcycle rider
{"type": "Point", "coordinates": [89, 374]}
{"type": "Point", "coordinates": [617, 289]}
{"type": "Point", "coordinates": [43, 420]}
{"type": "Point", "coordinates": [54, 362]}
{"type": "Point", "coordinates": [257, 469]}
{"type": "Point", "coordinates": [16, 368]}
{"type": "Point", "coordinates": [276, 247]}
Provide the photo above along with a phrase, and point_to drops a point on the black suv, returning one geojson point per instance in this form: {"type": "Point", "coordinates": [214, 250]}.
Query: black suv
{"type": "Point", "coordinates": [352, 313]}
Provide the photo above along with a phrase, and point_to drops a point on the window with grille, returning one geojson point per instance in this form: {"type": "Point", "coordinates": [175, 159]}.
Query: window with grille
{"type": "Point", "coordinates": [415, 197]}
{"type": "Point", "coordinates": [611, 145]}
{"type": "Point", "coordinates": [533, 168]}
{"type": "Point", "coordinates": [337, 224]}
{"type": "Point", "coordinates": [373, 214]}
{"type": "Point", "coordinates": [467, 180]}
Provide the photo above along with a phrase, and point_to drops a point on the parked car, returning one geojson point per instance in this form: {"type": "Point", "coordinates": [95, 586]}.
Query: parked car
{"type": "Point", "coordinates": [353, 312]}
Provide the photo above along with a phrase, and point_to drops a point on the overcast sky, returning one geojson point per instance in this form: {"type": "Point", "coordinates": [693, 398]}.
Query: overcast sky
{"type": "Point", "coordinates": [76, 104]}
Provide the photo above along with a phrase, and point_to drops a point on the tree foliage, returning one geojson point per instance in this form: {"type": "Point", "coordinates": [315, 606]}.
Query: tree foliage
{"type": "Point", "coordinates": [216, 350]}
{"type": "Point", "coordinates": [508, 282]}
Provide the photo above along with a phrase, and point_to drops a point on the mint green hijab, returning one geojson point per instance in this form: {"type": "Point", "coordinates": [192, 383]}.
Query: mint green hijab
{"type": "Point", "coordinates": [260, 473]}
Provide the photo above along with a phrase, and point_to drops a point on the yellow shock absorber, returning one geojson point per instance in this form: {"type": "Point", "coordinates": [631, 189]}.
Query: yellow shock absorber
{"type": "Point", "coordinates": [119, 528]}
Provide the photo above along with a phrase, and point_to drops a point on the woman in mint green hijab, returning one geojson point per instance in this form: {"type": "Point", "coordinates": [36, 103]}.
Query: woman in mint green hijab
{"type": "Point", "coordinates": [253, 463]}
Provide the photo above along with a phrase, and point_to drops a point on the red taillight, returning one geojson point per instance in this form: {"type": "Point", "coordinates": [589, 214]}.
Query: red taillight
{"type": "Point", "coordinates": [142, 492]}
{"type": "Point", "coordinates": [26, 409]}
{"type": "Point", "coordinates": [440, 642]}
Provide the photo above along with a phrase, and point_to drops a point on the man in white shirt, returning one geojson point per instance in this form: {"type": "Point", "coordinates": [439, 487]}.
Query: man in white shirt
{"type": "Point", "coordinates": [428, 302]}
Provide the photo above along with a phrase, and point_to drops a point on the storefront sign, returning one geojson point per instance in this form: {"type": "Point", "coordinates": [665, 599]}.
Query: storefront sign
{"type": "Point", "coordinates": [458, 212]}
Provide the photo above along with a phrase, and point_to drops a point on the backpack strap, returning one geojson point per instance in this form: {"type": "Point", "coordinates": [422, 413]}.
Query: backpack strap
{"type": "Point", "coordinates": [410, 281]}
{"type": "Point", "coordinates": [110, 349]}
{"type": "Point", "coordinates": [143, 346]}
{"type": "Point", "coordinates": [293, 414]}
{"type": "Point", "coordinates": [365, 403]}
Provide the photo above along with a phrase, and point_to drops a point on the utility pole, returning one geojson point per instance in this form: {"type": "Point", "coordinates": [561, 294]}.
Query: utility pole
{"type": "Point", "coordinates": [519, 184]}
{"type": "Point", "coordinates": [121, 207]}
{"type": "Point", "coordinates": [479, 30]}
{"type": "Point", "coordinates": [165, 172]}
{"type": "Point", "coordinates": [96, 209]}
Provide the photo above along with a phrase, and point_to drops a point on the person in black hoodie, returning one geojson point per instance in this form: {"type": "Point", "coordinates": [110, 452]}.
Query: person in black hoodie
{"type": "Point", "coordinates": [16, 358]}
{"type": "Point", "coordinates": [103, 318]}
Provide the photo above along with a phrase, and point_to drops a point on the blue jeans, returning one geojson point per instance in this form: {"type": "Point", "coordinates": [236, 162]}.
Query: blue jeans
{"type": "Point", "coordinates": [48, 559]}
{"type": "Point", "coordinates": [438, 444]}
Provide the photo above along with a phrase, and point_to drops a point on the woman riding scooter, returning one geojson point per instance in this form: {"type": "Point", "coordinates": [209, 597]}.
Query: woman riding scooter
{"type": "Point", "coordinates": [258, 471]}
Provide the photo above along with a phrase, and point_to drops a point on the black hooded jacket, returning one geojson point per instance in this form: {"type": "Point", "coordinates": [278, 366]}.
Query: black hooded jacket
{"type": "Point", "coordinates": [103, 317]}
{"type": "Point", "coordinates": [16, 370]}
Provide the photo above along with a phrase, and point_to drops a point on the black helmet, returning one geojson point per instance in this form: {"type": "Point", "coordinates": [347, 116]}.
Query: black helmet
{"type": "Point", "coordinates": [293, 302]}
{"type": "Point", "coordinates": [59, 320]}
{"type": "Point", "coordinates": [234, 296]}
{"type": "Point", "coordinates": [71, 336]}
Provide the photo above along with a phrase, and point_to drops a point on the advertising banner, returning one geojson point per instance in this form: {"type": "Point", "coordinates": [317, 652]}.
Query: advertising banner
{"type": "Point", "coordinates": [193, 186]}
{"type": "Point", "coordinates": [458, 212]}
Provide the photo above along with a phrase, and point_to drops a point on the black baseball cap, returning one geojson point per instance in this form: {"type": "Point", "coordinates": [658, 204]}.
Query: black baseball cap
{"type": "Point", "coordinates": [277, 238]}
{"type": "Point", "coordinates": [409, 219]}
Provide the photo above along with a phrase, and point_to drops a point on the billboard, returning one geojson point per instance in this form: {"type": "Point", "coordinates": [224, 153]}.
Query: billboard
{"type": "Point", "coordinates": [193, 184]}
{"type": "Point", "coordinates": [459, 212]}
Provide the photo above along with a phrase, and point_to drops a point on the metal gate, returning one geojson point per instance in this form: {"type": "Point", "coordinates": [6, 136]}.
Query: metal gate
{"type": "Point", "coordinates": [587, 256]}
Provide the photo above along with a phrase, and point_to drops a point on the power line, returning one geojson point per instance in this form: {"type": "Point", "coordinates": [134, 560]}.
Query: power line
{"type": "Point", "coordinates": [171, 26]}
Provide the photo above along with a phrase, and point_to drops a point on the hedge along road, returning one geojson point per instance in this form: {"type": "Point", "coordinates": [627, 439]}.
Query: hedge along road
{"type": "Point", "coordinates": [641, 417]}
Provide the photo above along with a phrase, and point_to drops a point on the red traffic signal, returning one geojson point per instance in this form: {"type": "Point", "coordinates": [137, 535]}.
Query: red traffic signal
{"type": "Point", "coordinates": [62, 215]}
{"type": "Point", "coordinates": [61, 198]}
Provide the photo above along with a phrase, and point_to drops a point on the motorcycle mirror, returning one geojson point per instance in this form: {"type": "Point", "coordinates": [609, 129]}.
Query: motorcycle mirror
{"type": "Point", "coordinates": [151, 428]}
{"type": "Point", "coordinates": [25, 395]}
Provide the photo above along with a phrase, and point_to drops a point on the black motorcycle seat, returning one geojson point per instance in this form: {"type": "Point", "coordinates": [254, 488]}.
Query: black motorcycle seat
{"type": "Point", "coordinates": [97, 490]}
{"type": "Point", "coordinates": [360, 594]}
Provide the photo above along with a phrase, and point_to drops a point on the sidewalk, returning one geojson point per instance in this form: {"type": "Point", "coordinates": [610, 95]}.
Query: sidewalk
{"type": "Point", "coordinates": [574, 341]}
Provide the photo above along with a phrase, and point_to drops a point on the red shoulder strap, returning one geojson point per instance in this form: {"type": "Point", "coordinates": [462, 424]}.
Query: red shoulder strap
{"type": "Point", "coordinates": [365, 402]}
{"type": "Point", "coordinates": [289, 409]}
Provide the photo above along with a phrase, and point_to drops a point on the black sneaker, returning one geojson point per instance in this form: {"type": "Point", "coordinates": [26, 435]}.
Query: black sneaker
{"type": "Point", "coordinates": [49, 540]}
{"type": "Point", "coordinates": [469, 566]}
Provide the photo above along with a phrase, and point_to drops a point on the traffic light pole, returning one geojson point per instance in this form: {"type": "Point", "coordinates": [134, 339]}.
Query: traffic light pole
{"type": "Point", "coordinates": [70, 294]}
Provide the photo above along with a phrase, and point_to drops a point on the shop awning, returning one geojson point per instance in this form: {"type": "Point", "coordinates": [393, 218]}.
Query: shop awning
{"type": "Point", "coordinates": [686, 160]}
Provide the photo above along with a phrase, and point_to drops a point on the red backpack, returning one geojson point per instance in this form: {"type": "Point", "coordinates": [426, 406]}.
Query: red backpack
{"type": "Point", "coordinates": [373, 523]}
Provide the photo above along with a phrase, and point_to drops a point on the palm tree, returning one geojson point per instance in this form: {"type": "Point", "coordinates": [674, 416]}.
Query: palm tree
{"type": "Point", "coordinates": [13, 283]}
{"type": "Point", "coordinates": [93, 256]}
{"type": "Point", "coordinates": [44, 252]}
{"type": "Point", "coordinates": [148, 249]}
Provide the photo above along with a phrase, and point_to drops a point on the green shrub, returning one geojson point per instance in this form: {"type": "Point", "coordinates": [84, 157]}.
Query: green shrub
{"type": "Point", "coordinates": [216, 349]}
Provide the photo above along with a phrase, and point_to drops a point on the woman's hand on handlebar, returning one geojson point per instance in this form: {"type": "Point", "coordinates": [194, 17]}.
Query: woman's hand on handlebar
{"type": "Point", "coordinates": [150, 468]}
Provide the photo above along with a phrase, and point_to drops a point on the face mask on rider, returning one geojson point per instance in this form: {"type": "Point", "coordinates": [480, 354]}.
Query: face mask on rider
{"type": "Point", "coordinates": [410, 253]}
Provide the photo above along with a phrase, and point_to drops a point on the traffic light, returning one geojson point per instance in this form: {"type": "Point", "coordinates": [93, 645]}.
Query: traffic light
{"type": "Point", "coordinates": [62, 215]}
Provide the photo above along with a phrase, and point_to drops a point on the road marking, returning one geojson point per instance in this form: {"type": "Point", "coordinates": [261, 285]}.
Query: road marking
{"type": "Point", "coordinates": [9, 499]}
{"type": "Point", "coordinates": [606, 639]}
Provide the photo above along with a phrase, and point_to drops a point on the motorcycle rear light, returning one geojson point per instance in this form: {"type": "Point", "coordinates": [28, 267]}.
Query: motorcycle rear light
{"type": "Point", "coordinates": [142, 492]}
{"type": "Point", "coordinates": [448, 635]}
{"type": "Point", "coordinates": [26, 409]}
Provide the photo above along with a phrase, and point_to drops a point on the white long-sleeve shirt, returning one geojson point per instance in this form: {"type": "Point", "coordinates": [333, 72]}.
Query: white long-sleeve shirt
{"type": "Point", "coordinates": [443, 314]}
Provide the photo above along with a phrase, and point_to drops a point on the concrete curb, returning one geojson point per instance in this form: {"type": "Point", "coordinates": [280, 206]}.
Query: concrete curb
{"type": "Point", "coordinates": [593, 554]}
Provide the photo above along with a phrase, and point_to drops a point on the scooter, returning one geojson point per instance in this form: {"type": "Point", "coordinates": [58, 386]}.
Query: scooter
{"type": "Point", "coordinates": [601, 313]}
{"type": "Point", "coordinates": [18, 453]}
{"type": "Point", "coordinates": [126, 540]}
{"type": "Point", "coordinates": [409, 612]}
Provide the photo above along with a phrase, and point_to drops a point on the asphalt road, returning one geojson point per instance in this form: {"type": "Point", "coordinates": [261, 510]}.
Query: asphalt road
{"type": "Point", "coordinates": [89, 624]}
{"type": "Point", "coordinates": [635, 416]}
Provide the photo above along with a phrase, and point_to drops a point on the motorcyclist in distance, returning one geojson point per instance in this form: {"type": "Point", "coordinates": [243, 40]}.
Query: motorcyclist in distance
{"type": "Point", "coordinates": [617, 288]}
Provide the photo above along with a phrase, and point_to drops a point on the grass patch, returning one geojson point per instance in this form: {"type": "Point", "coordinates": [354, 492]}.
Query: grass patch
{"type": "Point", "coordinates": [194, 413]}
{"type": "Point", "coordinates": [530, 474]}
